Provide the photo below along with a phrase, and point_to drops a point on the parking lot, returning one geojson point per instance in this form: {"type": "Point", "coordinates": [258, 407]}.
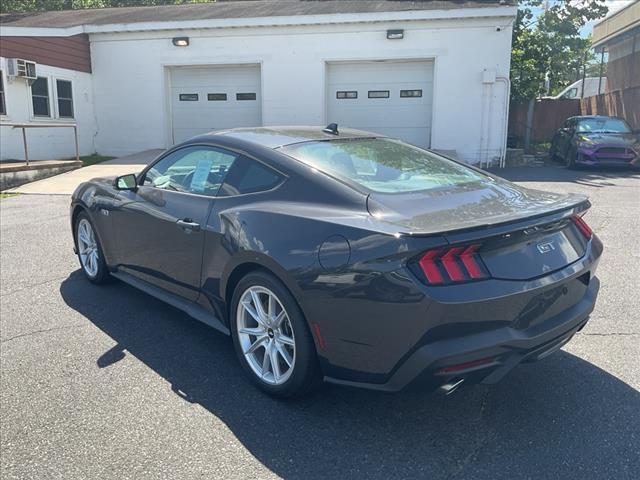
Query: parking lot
{"type": "Point", "coordinates": [107, 382]}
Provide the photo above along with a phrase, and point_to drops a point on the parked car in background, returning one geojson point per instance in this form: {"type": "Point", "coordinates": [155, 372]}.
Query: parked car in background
{"type": "Point", "coordinates": [592, 86]}
{"type": "Point", "coordinates": [595, 140]}
{"type": "Point", "coordinates": [346, 256]}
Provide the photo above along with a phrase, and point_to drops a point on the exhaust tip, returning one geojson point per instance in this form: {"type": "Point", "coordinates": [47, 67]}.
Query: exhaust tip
{"type": "Point", "coordinates": [451, 386]}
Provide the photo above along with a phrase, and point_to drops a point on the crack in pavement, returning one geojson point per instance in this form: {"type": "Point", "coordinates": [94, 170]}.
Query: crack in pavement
{"type": "Point", "coordinates": [481, 441]}
{"type": "Point", "coordinates": [44, 330]}
{"type": "Point", "coordinates": [31, 286]}
{"type": "Point", "coordinates": [611, 334]}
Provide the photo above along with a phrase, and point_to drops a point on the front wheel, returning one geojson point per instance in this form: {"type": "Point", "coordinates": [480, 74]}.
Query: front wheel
{"type": "Point", "coordinates": [271, 337]}
{"type": "Point", "coordinates": [89, 251]}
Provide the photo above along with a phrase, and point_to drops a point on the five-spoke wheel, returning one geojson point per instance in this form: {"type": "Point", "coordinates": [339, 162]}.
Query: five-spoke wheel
{"type": "Point", "coordinates": [89, 251]}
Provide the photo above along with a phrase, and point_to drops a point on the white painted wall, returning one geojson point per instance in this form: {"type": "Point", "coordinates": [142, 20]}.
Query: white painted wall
{"type": "Point", "coordinates": [131, 80]}
{"type": "Point", "coordinates": [47, 143]}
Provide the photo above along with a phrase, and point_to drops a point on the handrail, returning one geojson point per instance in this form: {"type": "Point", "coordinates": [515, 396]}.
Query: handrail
{"type": "Point", "coordinates": [24, 127]}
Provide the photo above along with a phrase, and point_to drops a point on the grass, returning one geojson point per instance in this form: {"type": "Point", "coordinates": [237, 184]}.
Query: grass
{"type": "Point", "coordinates": [7, 195]}
{"type": "Point", "coordinates": [93, 159]}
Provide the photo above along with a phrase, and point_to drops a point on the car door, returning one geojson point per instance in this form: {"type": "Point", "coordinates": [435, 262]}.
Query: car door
{"type": "Point", "coordinates": [160, 225]}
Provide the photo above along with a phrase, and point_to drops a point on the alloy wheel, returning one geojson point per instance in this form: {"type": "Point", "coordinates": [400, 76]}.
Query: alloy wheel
{"type": "Point", "coordinates": [265, 335]}
{"type": "Point", "coordinates": [87, 248]}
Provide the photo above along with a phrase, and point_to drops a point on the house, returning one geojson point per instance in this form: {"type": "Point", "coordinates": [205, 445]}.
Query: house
{"type": "Point", "coordinates": [434, 73]}
{"type": "Point", "coordinates": [618, 35]}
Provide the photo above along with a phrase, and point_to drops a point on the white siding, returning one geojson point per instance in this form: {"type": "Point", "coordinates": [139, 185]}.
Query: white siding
{"type": "Point", "coordinates": [49, 143]}
{"type": "Point", "coordinates": [131, 76]}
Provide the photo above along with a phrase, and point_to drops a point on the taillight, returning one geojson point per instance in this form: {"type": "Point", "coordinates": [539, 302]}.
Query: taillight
{"type": "Point", "coordinates": [452, 265]}
{"type": "Point", "coordinates": [585, 229]}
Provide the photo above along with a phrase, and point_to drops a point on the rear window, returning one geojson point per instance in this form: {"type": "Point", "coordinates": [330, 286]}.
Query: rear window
{"type": "Point", "coordinates": [382, 165]}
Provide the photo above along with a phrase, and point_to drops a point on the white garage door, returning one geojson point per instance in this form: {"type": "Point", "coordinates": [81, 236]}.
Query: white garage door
{"type": "Point", "coordinates": [214, 98]}
{"type": "Point", "coordinates": [388, 97]}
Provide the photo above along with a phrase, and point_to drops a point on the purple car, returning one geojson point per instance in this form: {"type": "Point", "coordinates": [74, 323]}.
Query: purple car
{"type": "Point", "coordinates": [595, 140]}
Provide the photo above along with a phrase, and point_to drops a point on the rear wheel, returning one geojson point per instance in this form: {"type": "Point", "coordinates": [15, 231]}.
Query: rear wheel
{"type": "Point", "coordinates": [89, 251]}
{"type": "Point", "coordinates": [271, 337]}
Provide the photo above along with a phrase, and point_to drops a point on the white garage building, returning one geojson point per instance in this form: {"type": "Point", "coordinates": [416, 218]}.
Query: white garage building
{"type": "Point", "coordinates": [434, 73]}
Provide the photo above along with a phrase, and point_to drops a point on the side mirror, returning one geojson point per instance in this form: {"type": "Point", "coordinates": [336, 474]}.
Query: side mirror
{"type": "Point", "coordinates": [126, 182]}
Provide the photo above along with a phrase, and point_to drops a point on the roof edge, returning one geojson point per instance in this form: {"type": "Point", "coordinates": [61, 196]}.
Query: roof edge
{"type": "Point", "coordinates": [499, 11]}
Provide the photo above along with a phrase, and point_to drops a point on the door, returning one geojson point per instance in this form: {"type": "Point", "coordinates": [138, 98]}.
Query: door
{"type": "Point", "coordinates": [204, 99]}
{"type": "Point", "coordinates": [394, 98]}
{"type": "Point", "coordinates": [160, 226]}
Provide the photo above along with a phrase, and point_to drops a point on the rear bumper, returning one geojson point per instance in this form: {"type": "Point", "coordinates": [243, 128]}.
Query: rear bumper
{"type": "Point", "coordinates": [501, 349]}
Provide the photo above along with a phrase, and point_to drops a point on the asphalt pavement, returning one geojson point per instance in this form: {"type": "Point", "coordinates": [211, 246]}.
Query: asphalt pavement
{"type": "Point", "coordinates": [107, 382]}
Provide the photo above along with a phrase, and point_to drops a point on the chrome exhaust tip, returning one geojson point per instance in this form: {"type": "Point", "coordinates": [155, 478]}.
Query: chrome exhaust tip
{"type": "Point", "coordinates": [451, 386]}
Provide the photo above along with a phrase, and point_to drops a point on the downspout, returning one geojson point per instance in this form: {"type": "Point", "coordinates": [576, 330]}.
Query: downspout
{"type": "Point", "coordinates": [505, 120]}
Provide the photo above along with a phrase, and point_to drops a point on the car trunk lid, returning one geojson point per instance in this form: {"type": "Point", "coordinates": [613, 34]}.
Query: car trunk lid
{"type": "Point", "coordinates": [521, 233]}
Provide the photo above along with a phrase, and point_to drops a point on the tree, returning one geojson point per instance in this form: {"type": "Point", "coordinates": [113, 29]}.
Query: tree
{"type": "Point", "coordinates": [549, 46]}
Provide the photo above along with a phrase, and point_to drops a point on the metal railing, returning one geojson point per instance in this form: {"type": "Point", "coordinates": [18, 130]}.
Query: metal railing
{"type": "Point", "coordinates": [24, 127]}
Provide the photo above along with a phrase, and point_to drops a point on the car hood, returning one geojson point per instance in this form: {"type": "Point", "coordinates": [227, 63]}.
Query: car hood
{"type": "Point", "coordinates": [610, 139]}
{"type": "Point", "coordinates": [475, 204]}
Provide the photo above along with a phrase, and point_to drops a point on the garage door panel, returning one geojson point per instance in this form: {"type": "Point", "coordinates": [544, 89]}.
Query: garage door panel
{"type": "Point", "coordinates": [406, 117]}
{"type": "Point", "coordinates": [190, 118]}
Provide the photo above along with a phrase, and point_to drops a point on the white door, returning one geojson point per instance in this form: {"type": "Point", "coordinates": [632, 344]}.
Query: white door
{"type": "Point", "coordinates": [204, 99]}
{"type": "Point", "coordinates": [393, 98]}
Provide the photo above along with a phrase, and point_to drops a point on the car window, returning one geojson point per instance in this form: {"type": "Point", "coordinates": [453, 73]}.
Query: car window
{"type": "Point", "coordinates": [603, 125]}
{"type": "Point", "coordinates": [195, 169]}
{"type": "Point", "coordinates": [249, 176]}
{"type": "Point", "coordinates": [571, 93]}
{"type": "Point", "coordinates": [383, 165]}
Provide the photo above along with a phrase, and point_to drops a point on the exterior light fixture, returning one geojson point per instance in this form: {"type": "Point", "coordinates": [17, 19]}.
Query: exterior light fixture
{"type": "Point", "coordinates": [395, 34]}
{"type": "Point", "coordinates": [180, 41]}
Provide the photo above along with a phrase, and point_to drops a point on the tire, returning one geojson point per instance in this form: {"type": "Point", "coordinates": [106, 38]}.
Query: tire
{"type": "Point", "coordinates": [89, 251]}
{"type": "Point", "coordinates": [570, 159]}
{"type": "Point", "coordinates": [258, 344]}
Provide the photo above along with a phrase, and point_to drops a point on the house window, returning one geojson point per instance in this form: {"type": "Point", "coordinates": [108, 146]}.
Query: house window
{"type": "Point", "coordinates": [40, 97]}
{"type": "Point", "coordinates": [65, 98]}
{"type": "Point", "coordinates": [3, 104]}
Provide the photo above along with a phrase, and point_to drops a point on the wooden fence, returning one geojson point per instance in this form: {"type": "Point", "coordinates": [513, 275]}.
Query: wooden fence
{"type": "Point", "coordinates": [619, 103]}
{"type": "Point", "coordinates": [538, 120]}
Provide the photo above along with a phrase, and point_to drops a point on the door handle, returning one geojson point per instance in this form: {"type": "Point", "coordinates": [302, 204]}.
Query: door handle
{"type": "Point", "coordinates": [188, 224]}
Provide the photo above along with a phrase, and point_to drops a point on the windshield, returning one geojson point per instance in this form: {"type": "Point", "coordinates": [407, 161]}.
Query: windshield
{"type": "Point", "coordinates": [382, 165]}
{"type": "Point", "coordinates": [603, 125]}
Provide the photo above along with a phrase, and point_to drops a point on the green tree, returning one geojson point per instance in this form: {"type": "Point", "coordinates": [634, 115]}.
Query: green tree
{"type": "Point", "coordinates": [549, 46]}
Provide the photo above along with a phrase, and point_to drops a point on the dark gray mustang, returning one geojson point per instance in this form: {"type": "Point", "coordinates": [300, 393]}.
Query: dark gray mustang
{"type": "Point", "coordinates": [346, 256]}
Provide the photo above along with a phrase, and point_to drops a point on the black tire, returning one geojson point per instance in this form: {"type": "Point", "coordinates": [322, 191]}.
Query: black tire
{"type": "Point", "coordinates": [570, 159]}
{"type": "Point", "coordinates": [305, 376]}
{"type": "Point", "coordinates": [102, 272]}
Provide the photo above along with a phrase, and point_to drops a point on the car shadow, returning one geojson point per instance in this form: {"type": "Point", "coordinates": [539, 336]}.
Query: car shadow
{"type": "Point", "coordinates": [595, 177]}
{"type": "Point", "coordinates": [562, 417]}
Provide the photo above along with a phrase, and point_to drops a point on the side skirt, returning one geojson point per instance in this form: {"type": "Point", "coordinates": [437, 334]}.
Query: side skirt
{"type": "Point", "coordinates": [192, 309]}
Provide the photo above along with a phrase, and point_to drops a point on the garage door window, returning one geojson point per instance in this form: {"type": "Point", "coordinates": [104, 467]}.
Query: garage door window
{"type": "Point", "coordinates": [378, 94]}
{"type": "Point", "coordinates": [216, 97]}
{"type": "Point", "coordinates": [188, 97]}
{"type": "Point", "coordinates": [346, 95]}
{"type": "Point", "coordinates": [410, 93]}
{"type": "Point", "coordinates": [194, 169]}
{"type": "Point", "coordinates": [249, 176]}
{"type": "Point", "coordinates": [40, 97]}
{"type": "Point", "coordinates": [245, 96]}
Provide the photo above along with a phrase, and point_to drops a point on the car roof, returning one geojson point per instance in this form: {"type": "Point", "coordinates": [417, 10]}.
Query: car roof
{"type": "Point", "coordinates": [275, 137]}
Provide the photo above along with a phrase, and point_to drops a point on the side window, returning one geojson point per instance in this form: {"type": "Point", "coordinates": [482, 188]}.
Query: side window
{"type": "Point", "coordinates": [196, 169]}
{"type": "Point", "coordinates": [65, 98]}
{"type": "Point", "coordinates": [3, 104]}
{"type": "Point", "coordinates": [40, 97]}
{"type": "Point", "coordinates": [249, 176]}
